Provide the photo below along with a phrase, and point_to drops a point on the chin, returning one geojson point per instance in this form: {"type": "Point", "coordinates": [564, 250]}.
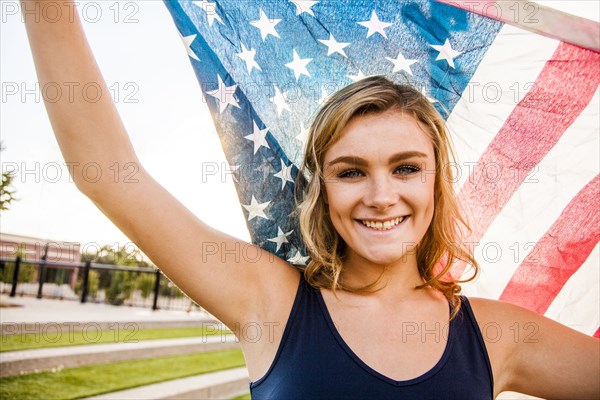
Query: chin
{"type": "Point", "coordinates": [387, 258]}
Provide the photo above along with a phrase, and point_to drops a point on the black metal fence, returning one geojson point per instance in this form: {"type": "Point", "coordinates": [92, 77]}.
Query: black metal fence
{"type": "Point", "coordinates": [84, 270]}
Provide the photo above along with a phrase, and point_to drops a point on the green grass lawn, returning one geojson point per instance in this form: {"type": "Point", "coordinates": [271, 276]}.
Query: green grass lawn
{"type": "Point", "coordinates": [73, 383]}
{"type": "Point", "coordinates": [52, 338]}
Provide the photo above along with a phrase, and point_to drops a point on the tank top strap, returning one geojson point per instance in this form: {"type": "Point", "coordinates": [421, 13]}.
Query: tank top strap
{"type": "Point", "coordinates": [473, 327]}
{"type": "Point", "coordinates": [290, 327]}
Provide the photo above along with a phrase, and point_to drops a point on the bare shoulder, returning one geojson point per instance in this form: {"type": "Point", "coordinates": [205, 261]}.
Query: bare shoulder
{"type": "Point", "coordinates": [502, 325]}
{"type": "Point", "coordinates": [260, 334]}
{"type": "Point", "coordinates": [278, 288]}
{"type": "Point", "coordinates": [484, 306]}
{"type": "Point", "coordinates": [270, 289]}
{"type": "Point", "coordinates": [489, 311]}
{"type": "Point", "coordinates": [536, 355]}
{"type": "Point", "coordinates": [510, 325]}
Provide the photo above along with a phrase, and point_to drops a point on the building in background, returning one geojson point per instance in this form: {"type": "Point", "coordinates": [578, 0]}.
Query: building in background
{"type": "Point", "coordinates": [37, 249]}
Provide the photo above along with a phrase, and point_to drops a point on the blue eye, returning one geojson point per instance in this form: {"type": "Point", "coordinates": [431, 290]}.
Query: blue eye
{"type": "Point", "coordinates": [407, 169]}
{"type": "Point", "coordinates": [350, 173]}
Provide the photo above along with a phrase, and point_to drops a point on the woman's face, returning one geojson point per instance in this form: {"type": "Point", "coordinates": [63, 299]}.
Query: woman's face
{"type": "Point", "coordinates": [379, 184]}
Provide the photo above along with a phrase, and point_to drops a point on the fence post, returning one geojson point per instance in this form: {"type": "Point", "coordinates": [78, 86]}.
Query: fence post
{"type": "Point", "coordinates": [85, 283]}
{"type": "Point", "coordinates": [42, 273]}
{"type": "Point", "coordinates": [156, 287]}
{"type": "Point", "coordinates": [15, 278]}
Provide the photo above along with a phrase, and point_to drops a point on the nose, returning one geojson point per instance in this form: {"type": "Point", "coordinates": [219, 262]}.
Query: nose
{"type": "Point", "coordinates": [381, 193]}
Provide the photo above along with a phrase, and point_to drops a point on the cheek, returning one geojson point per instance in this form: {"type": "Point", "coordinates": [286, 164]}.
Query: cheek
{"type": "Point", "coordinates": [335, 204]}
{"type": "Point", "coordinates": [425, 198]}
{"type": "Point", "coordinates": [336, 197]}
{"type": "Point", "coordinates": [339, 207]}
{"type": "Point", "coordinates": [430, 204]}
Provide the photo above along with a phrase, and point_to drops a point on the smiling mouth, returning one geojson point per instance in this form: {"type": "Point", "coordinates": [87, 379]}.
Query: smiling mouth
{"type": "Point", "coordinates": [383, 225]}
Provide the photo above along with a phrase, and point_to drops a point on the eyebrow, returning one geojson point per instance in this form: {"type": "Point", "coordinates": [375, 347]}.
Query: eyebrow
{"type": "Point", "coordinates": [361, 162]}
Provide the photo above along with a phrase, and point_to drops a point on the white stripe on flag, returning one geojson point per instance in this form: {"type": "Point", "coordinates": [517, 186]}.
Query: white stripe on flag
{"type": "Point", "coordinates": [577, 303]}
{"type": "Point", "coordinates": [534, 207]}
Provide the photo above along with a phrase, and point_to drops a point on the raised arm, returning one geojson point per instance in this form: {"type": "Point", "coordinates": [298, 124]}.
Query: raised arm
{"type": "Point", "coordinates": [231, 286]}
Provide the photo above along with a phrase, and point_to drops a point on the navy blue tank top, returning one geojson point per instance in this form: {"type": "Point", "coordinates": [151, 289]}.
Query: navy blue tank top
{"type": "Point", "coordinates": [314, 362]}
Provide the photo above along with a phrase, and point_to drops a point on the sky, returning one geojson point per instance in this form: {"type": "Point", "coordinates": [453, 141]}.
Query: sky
{"type": "Point", "coordinates": [156, 92]}
{"type": "Point", "coordinates": [152, 82]}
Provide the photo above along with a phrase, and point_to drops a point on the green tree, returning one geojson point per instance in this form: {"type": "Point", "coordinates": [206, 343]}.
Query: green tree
{"type": "Point", "coordinates": [119, 285]}
{"type": "Point", "coordinates": [7, 191]}
{"type": "Point", "coordinates": [93, 284]}
{"type": "Point", "coordinates": [27, 271]}
{"type": "Point", "coordinates": [145, 283]}
{"type": "Point", "coordinates": [126, 255]}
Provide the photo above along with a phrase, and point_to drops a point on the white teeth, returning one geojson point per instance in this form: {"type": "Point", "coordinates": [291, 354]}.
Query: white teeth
{"type": "Point", "coordinates": [383, 226]}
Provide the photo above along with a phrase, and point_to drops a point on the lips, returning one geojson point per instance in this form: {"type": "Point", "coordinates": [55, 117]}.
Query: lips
{"type": "Point", "coordinates": [383, 225]}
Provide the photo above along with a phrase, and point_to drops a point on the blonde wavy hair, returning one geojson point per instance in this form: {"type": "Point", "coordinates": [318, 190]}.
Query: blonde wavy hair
{"type": "Point", "coordinates": [440, 246]}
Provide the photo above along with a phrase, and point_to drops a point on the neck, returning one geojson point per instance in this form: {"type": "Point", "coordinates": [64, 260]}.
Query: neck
{"type": "Point", "coordinates": [397, 282]}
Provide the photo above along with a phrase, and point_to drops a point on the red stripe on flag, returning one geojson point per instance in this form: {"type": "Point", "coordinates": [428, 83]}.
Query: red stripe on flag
{"type": "Point", "coordinates": [559, 253]}
{"type": "Point", "coordinates": [597, 334]}
{"type": "Point", "coordinates": [561, 92]}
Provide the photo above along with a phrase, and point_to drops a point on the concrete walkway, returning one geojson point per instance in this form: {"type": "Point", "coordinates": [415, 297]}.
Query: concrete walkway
{"type": "Point", "coordinates": [213, 385]}
{"type": "Point", "coordinates": [56, 358]}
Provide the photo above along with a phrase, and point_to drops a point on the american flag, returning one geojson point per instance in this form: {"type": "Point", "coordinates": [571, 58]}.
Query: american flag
{"type": "Point", "coordinates": [522, 110]}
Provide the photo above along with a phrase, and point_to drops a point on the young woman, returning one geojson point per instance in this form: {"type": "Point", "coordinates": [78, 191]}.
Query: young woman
{"type": "Point", "coordinates": [370, 316]}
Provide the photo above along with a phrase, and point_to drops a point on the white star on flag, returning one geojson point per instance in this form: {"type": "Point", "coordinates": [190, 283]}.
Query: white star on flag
{"type": "Point", "coordinates": [298, 259]}
{"type": "Point", "coordinates": [358, 77]}
{"type": "Point", "coordinates": [298, 65]}
{"type": "Point", "coordinates": [255, 209]}
{"type": "Point", "coordinates": [224, 95]}
{"type": "Point", "coordinates": [375, 25]}
{"type": "Point", "coordinates": [266, 26]}
{"type": "Point", "coordinates": [303, 135]}
{"type": "Point", "coordinates": [187, 42]}
{"type": "Point", "coordinates": [304, 6]}
{"type": "Point", "coordinates": [211, 11]}
{"type": "Point", "coordinates": [279, 102]}
{"type": "Point", "coordinates": [333, 46]}
{"type": "Point", "coordinates": [401, 63]}
{"type": "Point", "coordinates": [248, 57]}
{"type": "Point", "coordinates": [259, 137]}
{"type": "Point", "coordinates": [281, 238]}
{"type": "Point", "coordinates": [446, 53]}
{"type": "Point", "coordinates": [285, 174]}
